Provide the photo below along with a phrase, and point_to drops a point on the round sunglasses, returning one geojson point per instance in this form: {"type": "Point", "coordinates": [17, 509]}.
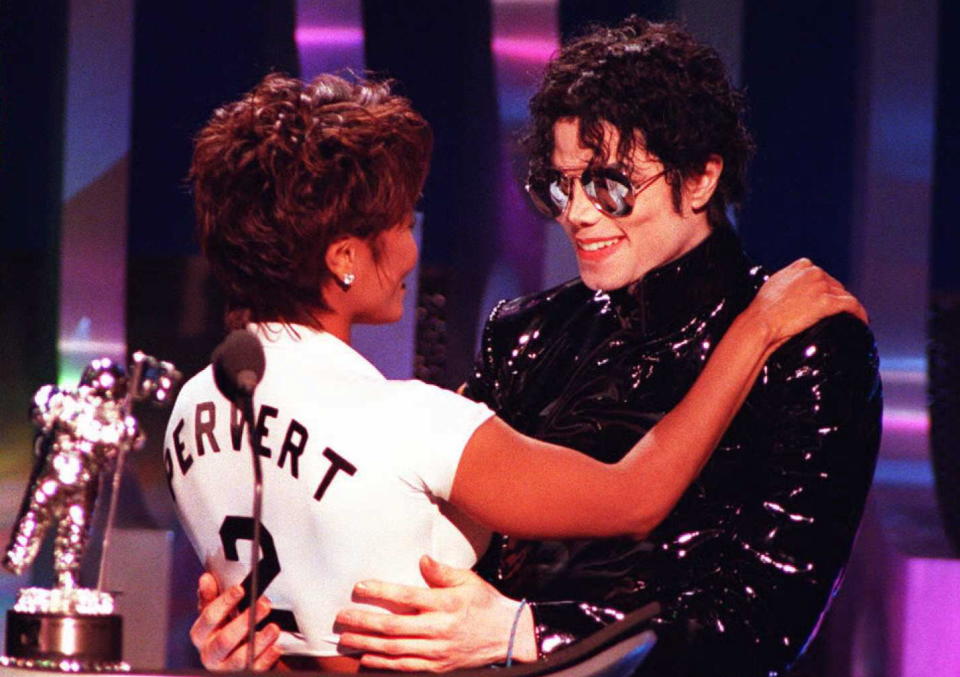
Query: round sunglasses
{"type": "Point", "coordinates": [608, 188]}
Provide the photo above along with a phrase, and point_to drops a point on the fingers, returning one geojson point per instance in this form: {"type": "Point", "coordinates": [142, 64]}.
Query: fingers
{"type": "Point", "coordinates": [847, 303]}
{"type": "Point", "coordinates": [207, 590]}
{"type": "Point", "coordinates": [361, 620]}
{"type": "Point", "coordinates": [818, 282]}
{"type": "Point", "coordinates": [391, 646]}
{"type": "Point", "coordinates": [797, 297]}
{"type": "Point", "coordinates": [266, 653]}
{"type": "Point", "coordinates": [440, 575]}
{"type": "Point", "coordinates": [397, 597]}
{"type": "Point", "coordinates": [834, 285]}
{"type": "Point", "coordinates": [267, 658]}
{"type": "Point", "coordinates": [844, 300]}
{"type": "Point", "coordinates": [860, 312]}
{"type": "Point", "coordinates": [401, 664]}
{"type": "Point", "coordinates": [234, 633]}
{"type": "Point", "coordinates": [214, 613]}
{"type": "Point", "coordinates": [817, 278]}
{"type": "Point", "coordinates": [220, 643]}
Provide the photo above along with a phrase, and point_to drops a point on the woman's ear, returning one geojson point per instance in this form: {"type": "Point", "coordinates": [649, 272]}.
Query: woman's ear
{"type": "Point", "coordinates": [700, 188]}
{"type": "Point", "coordinates": [341, 258]}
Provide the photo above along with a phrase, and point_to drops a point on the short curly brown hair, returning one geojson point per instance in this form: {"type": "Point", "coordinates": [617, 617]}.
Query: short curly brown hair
{"type": "Point", "coordinates": [289, 169]}
{"type": "Point", "coordinates": [652, 78]}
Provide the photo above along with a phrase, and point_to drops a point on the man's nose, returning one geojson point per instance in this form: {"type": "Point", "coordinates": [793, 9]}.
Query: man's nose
{"type": "Point", "coordinates": [581, 212]}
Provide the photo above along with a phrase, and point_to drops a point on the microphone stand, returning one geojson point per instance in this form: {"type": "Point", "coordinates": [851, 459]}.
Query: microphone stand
{"type": "Point", "coordinates": [238, 367]}
{"type": "Point", "coordinates": [253, 437]}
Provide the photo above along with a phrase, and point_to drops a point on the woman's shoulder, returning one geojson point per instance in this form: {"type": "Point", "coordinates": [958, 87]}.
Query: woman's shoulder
{"type": "Point", "coordinates": [198, 387]}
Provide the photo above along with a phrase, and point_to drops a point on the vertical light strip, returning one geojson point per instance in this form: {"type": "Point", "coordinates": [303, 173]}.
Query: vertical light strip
{"type": "Point", "coordinates": [532, 251]}
{"type": "Point", "coordinates": [94, 224]}
{"type": "Point", "coordinates": [892, 209]}
{"type": "Point", "coordinates": [720, 25]}
{"type": "Point", "coordinates": [930, 624]}
{"type": "Point", "coordinates": [329, 36]}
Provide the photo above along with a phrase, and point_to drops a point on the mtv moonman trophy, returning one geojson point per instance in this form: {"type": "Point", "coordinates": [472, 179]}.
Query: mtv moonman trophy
{"type": "Point", "coordinates": [71, 628]}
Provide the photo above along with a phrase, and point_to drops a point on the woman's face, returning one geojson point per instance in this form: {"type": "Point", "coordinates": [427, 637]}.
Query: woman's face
{"type": "Point", "coordinates": [380, 287]}
{"type": "Point", "coordinates": [611, 251]}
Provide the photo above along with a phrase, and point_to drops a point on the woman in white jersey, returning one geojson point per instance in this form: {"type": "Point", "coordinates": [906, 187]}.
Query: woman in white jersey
{"type": "Point", "coordinates": [304, 198]}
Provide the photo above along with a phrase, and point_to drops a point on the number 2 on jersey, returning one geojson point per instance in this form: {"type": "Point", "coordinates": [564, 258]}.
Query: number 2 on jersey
{"type": "Point", "coordinates": [235, 528]}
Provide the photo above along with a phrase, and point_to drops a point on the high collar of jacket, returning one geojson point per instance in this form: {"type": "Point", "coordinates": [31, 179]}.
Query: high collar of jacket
{"type": "Point", "coordinates": [668, 296]}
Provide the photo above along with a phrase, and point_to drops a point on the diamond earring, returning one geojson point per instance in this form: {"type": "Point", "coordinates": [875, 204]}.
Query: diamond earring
{"type": "Point", "coordinates": [348, 280]}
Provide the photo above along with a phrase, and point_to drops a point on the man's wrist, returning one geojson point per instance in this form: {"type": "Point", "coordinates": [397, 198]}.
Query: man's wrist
{"type": "Point", "coordinates": [525, 639]}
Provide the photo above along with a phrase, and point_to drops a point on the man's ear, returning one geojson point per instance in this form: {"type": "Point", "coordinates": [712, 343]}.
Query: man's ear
{"type": "Point", "coordinates": [341, 256]}
{"type": "Point", "coordinates": [700, 188]}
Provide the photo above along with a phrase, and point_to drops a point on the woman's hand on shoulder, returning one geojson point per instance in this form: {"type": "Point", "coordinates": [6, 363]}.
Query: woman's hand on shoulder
{"type": "Point", "coordinates": [797, 297]}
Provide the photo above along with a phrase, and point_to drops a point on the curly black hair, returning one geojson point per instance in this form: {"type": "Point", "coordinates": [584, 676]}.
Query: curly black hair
{"type": "Point", "coordinates": [655, 79]}
{"type": "Point", "coordinates": [290, 168]}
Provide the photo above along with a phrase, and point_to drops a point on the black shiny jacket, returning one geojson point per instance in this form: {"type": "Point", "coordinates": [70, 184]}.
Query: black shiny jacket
{"type": "Point", "coordinates": [745, 565]}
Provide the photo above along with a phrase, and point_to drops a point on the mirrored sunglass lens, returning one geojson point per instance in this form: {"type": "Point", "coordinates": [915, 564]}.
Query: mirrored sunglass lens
{"type": "Point", "coordinates": [538, 189]}
{"type": "Point", "coordinates": [558, 195]}
{"type": "Point", "coordinates": [609, 189]}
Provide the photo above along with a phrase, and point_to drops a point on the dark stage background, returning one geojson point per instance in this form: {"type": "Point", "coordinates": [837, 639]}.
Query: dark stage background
{"type": "Point", "coordinates": [854, 104]}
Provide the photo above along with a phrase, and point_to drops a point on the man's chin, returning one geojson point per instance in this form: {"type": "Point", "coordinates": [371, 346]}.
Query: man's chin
{"type": "Point", "coordinates": [604, 282]}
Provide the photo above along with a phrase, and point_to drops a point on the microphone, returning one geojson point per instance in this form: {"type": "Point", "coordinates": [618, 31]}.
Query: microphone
{"type": "Point", "coordinates": [238, 366]}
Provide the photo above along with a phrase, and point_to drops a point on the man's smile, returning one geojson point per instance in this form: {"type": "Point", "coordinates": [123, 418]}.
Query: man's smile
{"type": "Point", "coordinates": [597, 248]}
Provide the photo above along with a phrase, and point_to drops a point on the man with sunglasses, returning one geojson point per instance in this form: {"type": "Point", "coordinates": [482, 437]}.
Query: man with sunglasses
{"type": "Point", "coordinates": [638, 150]}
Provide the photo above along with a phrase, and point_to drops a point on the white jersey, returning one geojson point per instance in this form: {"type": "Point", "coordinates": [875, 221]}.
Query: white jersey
{"type": "Point", "coordinates": [357, 470]}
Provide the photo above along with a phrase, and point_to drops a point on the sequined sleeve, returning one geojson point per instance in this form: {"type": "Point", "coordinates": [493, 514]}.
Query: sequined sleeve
{"type": "Point", "coordinates": [750, 585]}
{"type": "Point", "coordinates": [481, 383]}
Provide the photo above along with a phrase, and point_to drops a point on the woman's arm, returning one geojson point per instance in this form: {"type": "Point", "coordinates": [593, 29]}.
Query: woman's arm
{"type": "Point", "coordinates": [528, 488]}
{"type": "Point", "coordinates": [790, 301]}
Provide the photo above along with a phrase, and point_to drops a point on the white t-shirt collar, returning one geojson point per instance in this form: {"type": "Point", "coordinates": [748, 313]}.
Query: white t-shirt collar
{"type": "Point", "coordinates": [279, 335]}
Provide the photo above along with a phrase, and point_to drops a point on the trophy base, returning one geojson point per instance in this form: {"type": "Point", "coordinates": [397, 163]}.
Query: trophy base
{"type": "Point", "coordinates": [64, 630]}
{"type": "Point", "coordinates": [64, 643]}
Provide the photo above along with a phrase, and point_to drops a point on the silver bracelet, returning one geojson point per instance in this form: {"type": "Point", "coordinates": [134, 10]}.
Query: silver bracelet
{"type": "Point", "coordinates": [513, 632]}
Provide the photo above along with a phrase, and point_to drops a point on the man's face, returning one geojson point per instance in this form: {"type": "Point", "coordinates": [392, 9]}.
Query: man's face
{"type": "Point", "coordinates": [611, 251]}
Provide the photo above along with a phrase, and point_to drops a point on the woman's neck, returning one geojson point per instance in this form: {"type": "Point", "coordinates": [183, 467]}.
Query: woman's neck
{"type": "Point", "coordinates": [335, 323]}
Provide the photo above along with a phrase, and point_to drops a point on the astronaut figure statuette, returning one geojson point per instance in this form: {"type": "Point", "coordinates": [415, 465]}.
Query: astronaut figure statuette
{"type": "Point", "coordinates": [80, 433]}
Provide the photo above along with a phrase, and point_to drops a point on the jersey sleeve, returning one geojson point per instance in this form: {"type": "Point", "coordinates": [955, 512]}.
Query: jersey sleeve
{"type": "Point", "coordinates": [433, 426]}
{"type": "Point", "coordinates": [177, 458]}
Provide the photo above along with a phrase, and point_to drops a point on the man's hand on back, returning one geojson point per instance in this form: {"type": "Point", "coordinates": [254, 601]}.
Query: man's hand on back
{"type": "Point", "coordinates": [461, 621]}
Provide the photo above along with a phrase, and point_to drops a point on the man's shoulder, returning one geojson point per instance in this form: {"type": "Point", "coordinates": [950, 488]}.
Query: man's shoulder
{"type": "Point", "coordinates": [557, 301]}
{"type": "Point", "coordinates": [835, 360]}
{"type": "Point", "coordinates": [838, 343]}
{"type": "Point", "coordinates": [839, 339]}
